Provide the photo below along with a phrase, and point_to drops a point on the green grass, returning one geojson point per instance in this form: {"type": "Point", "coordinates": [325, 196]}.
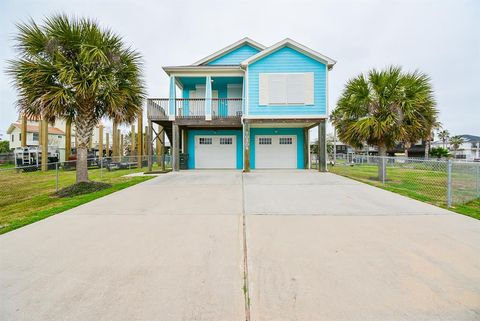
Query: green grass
{"type": "Point", "coordinates": [28, 197]}
{"type": "Point", "coordinates": [422, 184]}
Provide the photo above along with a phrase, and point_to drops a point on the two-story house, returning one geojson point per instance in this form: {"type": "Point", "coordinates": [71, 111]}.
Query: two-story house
{"type": "Point", "coordinates": [246, 106]}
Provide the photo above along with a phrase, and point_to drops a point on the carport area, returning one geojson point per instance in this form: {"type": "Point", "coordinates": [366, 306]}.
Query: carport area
{"type": "Point", "coordinates": [186, 246]}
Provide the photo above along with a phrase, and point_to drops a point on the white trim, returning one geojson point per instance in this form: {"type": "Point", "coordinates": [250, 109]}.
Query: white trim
{"type": "Point", "coordinates": [285, 117]}
{"type": "Point", "coordinates": [247, 96]}
{"type": "Point", "coordinates": [327, 107]}
{"type": "Point", "coordinates": [294, 45]}
{"type": "Point", "coordinates": [229, 48]}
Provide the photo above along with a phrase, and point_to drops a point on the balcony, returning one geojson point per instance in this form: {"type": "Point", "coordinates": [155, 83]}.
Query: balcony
{"type": "Point", "coordinates": [194, 108]}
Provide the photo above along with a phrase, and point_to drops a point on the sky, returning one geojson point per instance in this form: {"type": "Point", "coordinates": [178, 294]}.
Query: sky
{"type": "Point", "coordinates": [440, 38]}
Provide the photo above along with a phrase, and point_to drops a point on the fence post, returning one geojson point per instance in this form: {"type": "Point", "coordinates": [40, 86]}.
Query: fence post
{"type": "Point", "coordinates": [384, 169]}
{"type": "Point", "coordinates": [56, 169]}
{"type": "Point", "coordinates": [449, 183]}
{"type": "Point", "coordinates": [478, 180]}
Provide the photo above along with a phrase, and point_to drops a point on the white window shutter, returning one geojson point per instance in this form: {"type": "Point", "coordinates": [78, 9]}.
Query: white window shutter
{"type": "Point", "coordinates": [277, 89]}
{"type": "Point", "coordinates": [263, 89]}
{"type": "Point", "coordinates": [295, 88]}
{"type": "Point", "coordinates": [309, 88]}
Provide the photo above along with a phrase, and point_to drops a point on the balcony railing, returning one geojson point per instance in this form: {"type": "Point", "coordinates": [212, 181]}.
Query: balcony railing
{"type": "Point", "coordinates": [157, 108]}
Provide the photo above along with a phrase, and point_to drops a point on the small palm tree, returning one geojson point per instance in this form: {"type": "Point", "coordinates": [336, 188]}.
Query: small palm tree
{"type": "Point", "coordinates": [456, 142]}
{"type": "Point", "coordinates": [444, 135]}
{"type": "Point", "coordinates": [75, 70]}
{"type": "Point", "coordinates": [385, 107]}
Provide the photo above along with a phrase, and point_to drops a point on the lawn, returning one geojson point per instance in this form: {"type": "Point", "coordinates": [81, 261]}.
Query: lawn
{"type": "Point", "coordinates": [423, 184]}
{"type": "Point", "coordinates": [28, 197]}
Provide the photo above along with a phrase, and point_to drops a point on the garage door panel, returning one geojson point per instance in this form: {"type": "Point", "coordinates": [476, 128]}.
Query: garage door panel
{"type": "Point", "coordinates": [275, 151]}
{"type": "Point", "coordinates": [215, 152]}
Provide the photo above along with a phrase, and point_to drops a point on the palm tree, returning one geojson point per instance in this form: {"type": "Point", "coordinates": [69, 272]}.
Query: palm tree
{"type": "Point", "coordinates": [385, 107]}
{"type": "Point", "coordinates": [444, 135]}
{"type": "Point", "coordinates": [73, 69]}
{"type": "Point", "coordinates": [456, 142]}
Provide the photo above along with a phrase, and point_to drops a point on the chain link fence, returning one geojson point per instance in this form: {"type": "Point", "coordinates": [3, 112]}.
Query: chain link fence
{"type": "Point", "coordinates": [437, 181]}
{"type": "Point", "coordinates": [27, 190]}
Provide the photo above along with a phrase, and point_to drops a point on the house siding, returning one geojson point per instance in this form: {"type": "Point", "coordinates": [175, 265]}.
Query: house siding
{"type": "Point", "coordinates": [278, 131]}
{"type": "Point", "coordinates": [199, 132]}
{"type": "Point", "coordinates": [235, 57]}
{"type": "Point", "coordinates": [287, 60]}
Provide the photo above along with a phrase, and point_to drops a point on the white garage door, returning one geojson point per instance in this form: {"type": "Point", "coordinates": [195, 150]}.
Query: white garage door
{"type": "Point", "coordinates": [215, 152]}
{"type": "Point", "coordinates": [275, 151]}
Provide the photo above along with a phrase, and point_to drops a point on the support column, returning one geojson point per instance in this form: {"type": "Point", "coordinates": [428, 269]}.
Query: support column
{"type": "Point", "coordinates": [175, 147]}
{"type": "Point", "coordinates": [162, 148]}
{"type": "Point", "coordinates": [107, 145]}
{"type": "Point", "coordinates": [172, 99]}
{"type": "Point", "coordinates": [120, 149]}
{"type": "Point", "coordinates": [322, 147]}
{"type": "Point", "coordinates": [246, 147]}
{"type": "Point", "coordinates": [132, 140]}
{"type": "Point", "coordinates": [44, 144]}
{"type": "Point", "coordinates": [306, 148]}
{"type": "Point", "coordinates": [100, 142]}
{"type": "Point", "coordinates": [114, 139]}
{"type": "Point", "coordinates": [24, 131]}
{"type": "Point", "coordinates": [158, 146]}
{"type": "Point", "coordinates": [139, 139]}
{"type": "Point", "coordinates": [68, 139]}
{"type": "Point", "coordinates": [149, 145]}
{"type": "Point", "coordinates": [208, 98]}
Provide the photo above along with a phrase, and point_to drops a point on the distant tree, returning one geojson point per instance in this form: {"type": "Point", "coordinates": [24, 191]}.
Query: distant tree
{"type": "Point", "coordinates": [444, 135]}
{"type": "Point", "coordinates": [455, 143]}
{"type": "Point", "coordinates": [439, 152]}
{"type": "Point", "coordinates": [4, 146]}
{"type": "Point", "coordinates": [385, 107]}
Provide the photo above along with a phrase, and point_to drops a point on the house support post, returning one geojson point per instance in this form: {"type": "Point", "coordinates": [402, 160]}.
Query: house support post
{"type": "Point", "coordinates": [100, 142]}
{"type": "Point", "coordinates": [306, 148]}
{"type": "Point", "coordinates": [150, 145]}
{"type": "Point", "coordinates": [107, 145]}
{"type": "Point", "coordinates": [115, 140]}
{"type": "Point", "coordinates": [120, 149]}
{"type": "Point", "coordinates": [175, 148]}
{"type": "Point", "coordinates": [208, 98]}
{"type": "Point", "coordinates": [139, 139]}
{"type": "Point", "coordinates": [132, 140]}
{"type": "Point", "coordinates": [162, 149]}
{"type": "Point", "coordinates": [246, 147]}
{"type": "Point", "coordinates": [322, 147]}
{"type": "Point", "coordinates": [24, 131]}
{"type": "Point", "coordinates": [68, 139]}
{"type": "Point", "coordinates": [44, 124]}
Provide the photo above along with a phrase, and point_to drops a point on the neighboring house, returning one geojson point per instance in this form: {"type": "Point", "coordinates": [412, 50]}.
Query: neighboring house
{"type": "Point", "coordinates": [469, 150]}
{"type": "Point", "coordinates": [56, 135]}
{"type": "Point", "coordinates": [246, 106]}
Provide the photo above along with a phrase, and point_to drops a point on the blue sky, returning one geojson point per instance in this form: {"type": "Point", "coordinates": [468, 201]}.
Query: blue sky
{"type": "Point", "coordinates": [440, 38]}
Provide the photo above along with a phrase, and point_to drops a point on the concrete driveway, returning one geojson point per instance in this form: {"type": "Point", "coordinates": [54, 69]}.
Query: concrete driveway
{"type": "Point", "coordinates": [318, 247]}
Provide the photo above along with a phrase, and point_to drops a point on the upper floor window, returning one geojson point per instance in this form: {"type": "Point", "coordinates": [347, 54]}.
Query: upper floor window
{"type": "Point", "coordinates": [13, 138]}
{"type": "Point", "coordinates": [35, 137]}
{"type": "Point", "coordinates": [286, 89]}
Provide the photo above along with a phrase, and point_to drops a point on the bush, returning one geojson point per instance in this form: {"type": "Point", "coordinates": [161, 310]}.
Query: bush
{"type": "Point", "coordinates": [82, 188]}
{"type": "Point", "coordinates": [439, 152]}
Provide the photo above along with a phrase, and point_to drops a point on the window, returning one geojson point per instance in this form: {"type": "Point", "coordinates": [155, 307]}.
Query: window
{"type": "Point", "coordinates": [13, 138]}
{"type": "Point", "coordinates": [35, 137]}
{"type": "Point", "coordinates": [20, 137]}
{"type": "Point", "coordinates": [265, 141]}
{"type": "Point", "coordinates": [59, 136]}
{"type": "Point", "coordinates": [286, 141]}
{"type": "Point", "coordinates": [205, 141]}
{"type": "Point", "coordinates": [286, 89]}
{"type": "Point", "coordinates": [226, 141]}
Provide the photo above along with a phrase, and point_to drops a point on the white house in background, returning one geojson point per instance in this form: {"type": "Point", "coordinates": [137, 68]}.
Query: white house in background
{"type": "Point", "coordinates": [469, 150]}
{"type": "Point", "coordinates": [56, 135]}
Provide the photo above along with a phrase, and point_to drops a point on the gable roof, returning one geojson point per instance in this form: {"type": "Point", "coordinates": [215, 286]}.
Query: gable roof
{"type": "Point", "coordinates": [294, 45]}
{"type": "Point", "coordinates": [233, 46]}
{"type": "Point", "coordinates": [35, 129]}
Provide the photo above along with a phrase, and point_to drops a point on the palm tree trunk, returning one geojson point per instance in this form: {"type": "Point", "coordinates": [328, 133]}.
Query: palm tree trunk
{"type": "Point", "coordinates": [84, 128]}
{"type": "Point", "coordinates": [427, 148]}
{"type": "Point", "coordinates": [382, 152]}
{"type": "Point", "coordinates": [406, 152]}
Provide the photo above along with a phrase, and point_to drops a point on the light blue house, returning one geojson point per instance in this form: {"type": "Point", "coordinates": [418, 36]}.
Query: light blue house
{"type": "Point", "coordinates": [246, 106]}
